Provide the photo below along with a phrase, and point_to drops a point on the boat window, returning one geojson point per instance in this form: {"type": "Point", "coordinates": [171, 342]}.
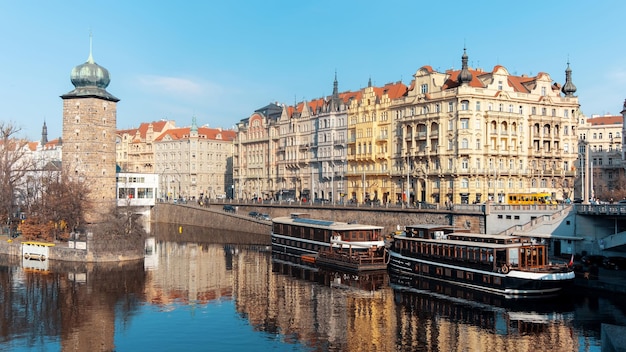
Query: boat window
{"type": "Point", "coordinates": [513, 256]}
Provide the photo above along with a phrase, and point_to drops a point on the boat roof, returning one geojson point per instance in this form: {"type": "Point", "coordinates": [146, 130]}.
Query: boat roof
{"type": "Point", "coordinates": [469, 242]}
{"type": "Point", "coordinates": [430, 226]}
{"type": "Point", "coordinates": [325, 224]}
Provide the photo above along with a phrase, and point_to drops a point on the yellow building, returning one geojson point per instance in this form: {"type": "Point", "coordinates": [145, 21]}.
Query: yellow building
{"type": "Point", "coordinates": [370, 144]}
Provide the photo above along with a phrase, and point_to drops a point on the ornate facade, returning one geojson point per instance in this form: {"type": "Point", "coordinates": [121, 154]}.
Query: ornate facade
{"type": "Point", "coordinates": [135, 147]}
{"type": "Point", "coordinates": [459, 136]}
{"type": "Point", "coordinates": [194, 162]}
{"type": "Point", "coordinates": [470, 136]}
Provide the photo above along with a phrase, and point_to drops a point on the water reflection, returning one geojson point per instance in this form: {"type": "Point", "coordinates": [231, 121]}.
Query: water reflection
{"type": "Point", "coordinates": [74, 301]}
{"type": "Point", "coordinates": [70, 307]}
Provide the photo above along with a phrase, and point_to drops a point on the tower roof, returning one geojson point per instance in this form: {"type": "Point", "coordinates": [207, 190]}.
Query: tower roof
{"type": "Point", "coordinates": [90, 80]}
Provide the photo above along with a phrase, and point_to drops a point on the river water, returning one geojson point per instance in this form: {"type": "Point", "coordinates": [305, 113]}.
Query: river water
{"type": "Point", "coordinates": [201, 290]}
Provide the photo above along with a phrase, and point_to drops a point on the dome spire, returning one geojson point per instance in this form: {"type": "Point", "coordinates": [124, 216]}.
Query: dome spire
{"type": "Point", "coordinates": [90, 58]}
{"type": "Point", "coordinates": [465, 76]}
{"type": "Point", "coordinates": [90, 79]}
{"type": "Point", "coordinates": [568, 88]}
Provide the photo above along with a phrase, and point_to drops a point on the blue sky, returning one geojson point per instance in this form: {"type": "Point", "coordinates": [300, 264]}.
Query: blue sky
{"type": "Point", "coordinates": [221, 60]}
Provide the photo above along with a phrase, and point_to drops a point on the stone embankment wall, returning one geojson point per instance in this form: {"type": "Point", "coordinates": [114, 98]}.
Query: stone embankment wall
{"type": "Point", "coordinates": [214, 216]}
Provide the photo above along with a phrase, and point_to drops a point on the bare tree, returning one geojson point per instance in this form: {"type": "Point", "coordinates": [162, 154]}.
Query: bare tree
{"type": "Point", "coordinates": [59, 210]}
{"type": "Point", "coordinates": [14, 164]}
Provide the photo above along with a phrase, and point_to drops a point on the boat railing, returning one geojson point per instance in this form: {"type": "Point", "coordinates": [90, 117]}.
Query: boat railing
{"type": "Point", "coordinates": [357, 258]}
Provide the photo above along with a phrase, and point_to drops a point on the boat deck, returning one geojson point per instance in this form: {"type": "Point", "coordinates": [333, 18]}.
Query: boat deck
{"type": "Point", "coordinates": [354, 262]}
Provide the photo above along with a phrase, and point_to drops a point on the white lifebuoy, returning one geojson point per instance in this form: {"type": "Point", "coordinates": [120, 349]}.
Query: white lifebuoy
{"type": "Point", "coordinates": [42, 257]}
{"type": "Point", "coordinates": [505, 269]}
{"type": "Point", "coordinates": [26, 256]}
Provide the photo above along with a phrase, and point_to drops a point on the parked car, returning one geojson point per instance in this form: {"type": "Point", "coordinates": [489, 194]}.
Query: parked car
{"type": "Point", "coordinates": [253, 214]}
{"type": "Point", "coordinates": [615, 263]}
{"type": "Point", "coordinates": [264, 217]}
{"type": "Point", "coordinates": [593, 259]}
{"type": "Point", "coordinates": [229, 208]}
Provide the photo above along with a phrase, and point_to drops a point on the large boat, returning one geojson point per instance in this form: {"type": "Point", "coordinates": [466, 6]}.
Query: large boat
{"type": "Point", "coordinates": [347, 246]}
{"type": "Point", "coordinates": [512, 266]}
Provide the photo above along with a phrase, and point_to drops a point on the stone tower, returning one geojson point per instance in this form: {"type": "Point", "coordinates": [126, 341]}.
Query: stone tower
{"type": "Point", "coordinates": [89, 125]}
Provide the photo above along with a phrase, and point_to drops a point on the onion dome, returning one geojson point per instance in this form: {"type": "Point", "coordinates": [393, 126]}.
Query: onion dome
{"type": "Point", "coordinates": [465, 76]}
{"type": "Point", "coordinates": [568, 88]}
{"type": "Point", "coordinates": [90, 80]}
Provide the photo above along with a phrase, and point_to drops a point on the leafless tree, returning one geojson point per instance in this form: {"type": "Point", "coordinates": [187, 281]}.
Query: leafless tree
{"type": "Point", "coordinates": [14, 164]}
{"type": "Point", "coordinates": [59, 209]}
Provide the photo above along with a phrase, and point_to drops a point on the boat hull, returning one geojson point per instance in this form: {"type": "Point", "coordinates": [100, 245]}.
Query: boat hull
{"type": "Point", "coordinates": [512, 284]}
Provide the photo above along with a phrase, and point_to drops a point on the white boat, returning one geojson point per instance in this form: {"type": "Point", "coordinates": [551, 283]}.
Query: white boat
{"type": "Point", "coordinates": [507, 265]}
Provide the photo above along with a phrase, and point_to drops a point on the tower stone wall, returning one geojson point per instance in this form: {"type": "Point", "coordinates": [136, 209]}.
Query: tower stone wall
{"type": "Point", "coordinates": [89, 125]}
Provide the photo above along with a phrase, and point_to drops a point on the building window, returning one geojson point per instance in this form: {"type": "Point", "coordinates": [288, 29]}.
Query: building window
{"type": "Point", "coordinates": [499, 85]}
{"type": "Point", "coordinates": [521, 109]}
{"type": "Point", "coordinates": [543, 111]}
{"type": "Point", "coordinates": [543, 91]}
{"type": "Point", "coordinates": [464, 143]}
{"type": "Point", "coordinates": [464, 164]}
{"type": "Point", "coordinates": [464, 124]}
{"type": "Point", "coordinates": [464, 105]}
{"type": "Point", "coordinates": [510, 108]}
{"type": "Point", "coordinates": [477, 106]}
{"type": "Point", "coordinates": [424, 89]}
{"type": "Point", "coordinates": [451, 106]}
{"type": "Point", "coordinates": [566, 113]}
{"type": "Point", "coordinates": [533, 111]}
{"type": "Point", "coordinates": [478, 144]}
{"type": "Point", "coordinates": [464, 183]}
{"type": "Point", "coordinates": [437, 107]}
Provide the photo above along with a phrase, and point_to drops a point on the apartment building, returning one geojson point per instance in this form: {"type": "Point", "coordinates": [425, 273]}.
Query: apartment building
{"type": "Point", "coordinates": [371, 175]}
{"type": "Point", "coordinates": [294, 152]}
{"type": "Point", "coordinates": [470, 136]}
{"type": "Point", "coordinates": [135, 147]}
{"type": "Point", "coordinates": [194, 162]}
{"type": "Point", "coordinates": [600, 158]}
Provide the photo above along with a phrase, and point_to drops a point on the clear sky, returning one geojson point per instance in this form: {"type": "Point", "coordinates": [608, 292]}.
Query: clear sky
{"type": "Point", "coordinates": [221, 60]}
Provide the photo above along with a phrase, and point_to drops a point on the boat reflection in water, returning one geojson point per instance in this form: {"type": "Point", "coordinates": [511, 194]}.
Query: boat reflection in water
{"type": "Point", "coordinates": [364, 281]}
{"type": "Point", "coordinates": [490, 313]}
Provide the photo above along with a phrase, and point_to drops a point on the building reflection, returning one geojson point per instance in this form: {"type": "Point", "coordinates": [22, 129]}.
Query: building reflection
{"type": "Point", "coordinates": [76, 301]}
{"type": "Point", "coordinates": [324, 310]}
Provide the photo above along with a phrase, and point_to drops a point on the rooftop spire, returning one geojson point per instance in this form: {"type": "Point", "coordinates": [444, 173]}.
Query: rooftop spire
{"type": "Point", "coordinates": [568, 88]}
{"type": "Point", "coordinates": [465, 76]}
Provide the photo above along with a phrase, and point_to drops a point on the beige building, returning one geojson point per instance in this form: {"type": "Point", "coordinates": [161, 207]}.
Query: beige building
{"type": "Point", "coordinates": [470, 135]}
{"type": "Point", "coordinates": [602, 135]}
{"type": "Point", "coordinates": [294, 152]}
{"type": "Point", "coordinates": [135, 147]}
{"type": "Point", "coordinates": [459, 136]}
{"type": "Point", "coordinates": [194, 161]}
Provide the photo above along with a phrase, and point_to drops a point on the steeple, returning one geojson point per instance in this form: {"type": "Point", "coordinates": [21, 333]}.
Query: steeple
{"type": "Point", "coordinates": [44, 135]}
{"type": "Point", "coordinates": [335, 100]}
{"type": "Point", "coordinates": [568, 88]}
{"type": "Point", "coordinates": [465, 76]}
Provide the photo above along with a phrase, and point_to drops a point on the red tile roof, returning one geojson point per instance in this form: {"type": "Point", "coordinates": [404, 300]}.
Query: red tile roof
{"type": "Point", "coordinates": [605, 120]}
{"type": "Point", "coordinates": [208, 133]}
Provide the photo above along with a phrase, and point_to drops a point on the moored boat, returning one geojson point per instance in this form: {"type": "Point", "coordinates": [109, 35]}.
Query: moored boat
{"type": "Point", "coordinates": [507, 265]}
{"type": "Point", "coordinates": [347, 246]}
